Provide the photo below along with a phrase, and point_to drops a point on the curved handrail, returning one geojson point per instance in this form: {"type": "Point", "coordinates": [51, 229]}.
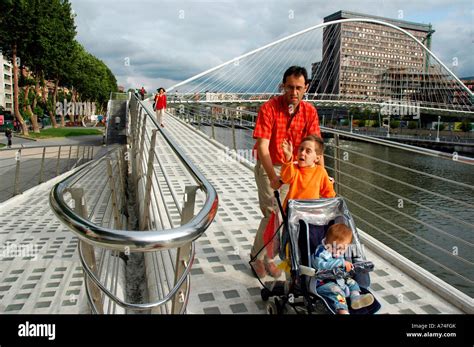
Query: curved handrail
{"type": "Point", "coordinates": [184, 276]}
{"type": "Point", "coordinates": [132, 240]}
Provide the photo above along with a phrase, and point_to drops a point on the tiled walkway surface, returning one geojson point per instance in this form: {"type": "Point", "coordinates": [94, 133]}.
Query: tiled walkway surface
{"type": "Point", "coordinates": [40, 271]}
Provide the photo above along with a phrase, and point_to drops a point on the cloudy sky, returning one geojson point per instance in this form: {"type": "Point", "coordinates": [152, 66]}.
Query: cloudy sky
{"type": "Point", "coordinates": [161, 42]}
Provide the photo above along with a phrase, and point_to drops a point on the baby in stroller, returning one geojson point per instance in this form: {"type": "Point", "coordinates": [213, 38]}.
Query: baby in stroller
{"type": "Point", "coordinates": [330, 255]}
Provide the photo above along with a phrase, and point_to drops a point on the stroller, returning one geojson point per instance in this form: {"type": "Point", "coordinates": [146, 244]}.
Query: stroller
{"type": "Point", "coordinates": [305, 225]}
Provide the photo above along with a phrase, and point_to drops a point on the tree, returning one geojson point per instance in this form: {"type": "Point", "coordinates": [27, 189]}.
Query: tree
{"type": "Point", "coordinates": [15, 36]}
{"type": "Point", "coordinates": [57, 39]}
{"type": "Point", "coordinates": [42, 33]}
{"type": "Point", "coordinates": [91, 77]}
{"type": "Point", "coordinates": [466, 125]}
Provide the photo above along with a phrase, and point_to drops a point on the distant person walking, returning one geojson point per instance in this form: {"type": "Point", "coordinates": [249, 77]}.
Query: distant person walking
{"type": "Point", "coordinates": [160, 105]}
{"type": "Point", "coordinates": [9, 135]}
{"type": "Point", "coordinates": [142, 93]}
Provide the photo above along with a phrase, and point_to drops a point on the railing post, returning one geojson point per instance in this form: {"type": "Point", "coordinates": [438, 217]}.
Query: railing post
{"type": "Point", "coordinates": [134, 142]}
{"type": "Point", "coordinates": [83, 153]}
{"type": "Point", "coordinates": [337, 157]}
{"type": "Point", "coordinates": [16, 189]}
{"type": "Point", "coordinates": [141, 150]}
{"type": "Point", "coordinates": [69, 158]}
{"type": "Point", "coordinates": [87, 250]}
{"type": "Point", "coordinates": [149, 174]}
{"type": "Point", "coordinates": [121, 176]}
{"type": "Point", "coordinates": [234, 142]}
{"type": "Point", "coordinates": [212, 126]}
{"type": "Point", "coordinates": [182, 255]}
{"type": "Point", "coordinates": [200, 121]}
{"type": "Point", "coordinates": [42, 166]}
{"type": "Point", "coordinates": [110, 171]}
{"type": "Point", "coordinates": [57, 162]}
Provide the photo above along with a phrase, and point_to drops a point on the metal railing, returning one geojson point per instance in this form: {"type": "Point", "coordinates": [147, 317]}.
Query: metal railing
{"type": "Point", "coordinates": [208, 117]}
{"type": "Point", "coordinates": [332, 100]}
{"type": "Point", "coordinates": [106, 233]}
{"type": "Point", "coordinates": [23, 168]}
{"type": "Point", "coordinates": [415, 200]}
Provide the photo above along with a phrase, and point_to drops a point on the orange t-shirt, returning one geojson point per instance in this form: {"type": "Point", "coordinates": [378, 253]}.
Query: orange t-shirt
{"type": "Point", "coordinates": [306, 182]}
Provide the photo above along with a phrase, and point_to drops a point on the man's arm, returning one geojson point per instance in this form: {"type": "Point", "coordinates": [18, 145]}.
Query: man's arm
{"type": "Point", "coordinates": [266, 160]}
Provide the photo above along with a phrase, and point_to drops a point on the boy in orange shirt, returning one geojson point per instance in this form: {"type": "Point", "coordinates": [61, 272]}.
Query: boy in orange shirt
{"type": "Point", "coordinates": [307, 179]}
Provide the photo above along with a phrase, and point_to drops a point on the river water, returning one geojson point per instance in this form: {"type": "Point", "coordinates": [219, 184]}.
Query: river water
{"type": "Point", "coordinates": [426, 219]}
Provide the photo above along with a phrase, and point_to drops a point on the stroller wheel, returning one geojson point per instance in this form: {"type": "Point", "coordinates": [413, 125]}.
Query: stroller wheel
{"type": "Point", "coordinates": [265, 294]}
{"type": "Point", "coordinates": [271, 308]}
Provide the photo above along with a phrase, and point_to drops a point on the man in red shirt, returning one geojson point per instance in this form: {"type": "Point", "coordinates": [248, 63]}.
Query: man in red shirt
{"type": "Point", "coordinates": [282, 117]}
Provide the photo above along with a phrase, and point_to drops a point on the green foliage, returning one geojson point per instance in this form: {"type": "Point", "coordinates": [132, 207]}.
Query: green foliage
{"type": "Point", "coordinates": [91, 77]}
{"type": "Point", "coordinates": [394, 124]}
{"type": "Point", "coordinates": [355, 112]}
{"type": "Point", "coordinates": [43, 32]}
{"type": "Point", "coordinates": [65, 132]}
{"type": "Point", "coordinates": [466, 125]}
{"type": "Point", "coordinates": [412, 124]}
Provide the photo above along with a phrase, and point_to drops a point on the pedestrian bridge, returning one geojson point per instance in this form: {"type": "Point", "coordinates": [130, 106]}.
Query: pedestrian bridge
{"type": "Point", "coordinates": [165, 225]}
{"type": "Point", "coordinates": [163, 222]}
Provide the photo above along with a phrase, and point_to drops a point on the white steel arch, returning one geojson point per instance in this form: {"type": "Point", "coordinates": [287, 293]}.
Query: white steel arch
{"type": "Point", "coordinates": [322, 25]}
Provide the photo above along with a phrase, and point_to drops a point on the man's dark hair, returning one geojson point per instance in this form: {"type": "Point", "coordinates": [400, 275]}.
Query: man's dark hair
{"type": "Point", "coordinates": [296, 71]}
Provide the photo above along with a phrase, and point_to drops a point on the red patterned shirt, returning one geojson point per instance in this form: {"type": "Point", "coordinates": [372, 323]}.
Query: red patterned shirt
{"type": "Point", "coordinates": [275, 124]}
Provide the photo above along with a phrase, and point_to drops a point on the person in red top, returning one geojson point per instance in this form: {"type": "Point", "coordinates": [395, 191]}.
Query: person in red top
{"type": "Point", "coordinates": [283, 117]}
{"type": "Point", "coordinates": [160, 105]}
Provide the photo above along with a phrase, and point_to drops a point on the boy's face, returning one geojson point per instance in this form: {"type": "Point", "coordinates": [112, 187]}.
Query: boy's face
{"type": "Point", "coordinates": [307, 155]}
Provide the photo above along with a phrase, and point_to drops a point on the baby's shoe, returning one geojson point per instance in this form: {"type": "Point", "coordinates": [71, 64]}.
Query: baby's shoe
{"type": "Point", "coordinates": [360, 301]}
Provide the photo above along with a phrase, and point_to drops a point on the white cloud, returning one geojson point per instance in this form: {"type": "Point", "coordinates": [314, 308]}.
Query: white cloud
{"type": "Point", "coordinates": [167, 41]}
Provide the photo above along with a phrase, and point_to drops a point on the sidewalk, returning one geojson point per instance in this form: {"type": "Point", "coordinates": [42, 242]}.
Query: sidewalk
{"type": "Point", "coordinates": [90, 140]}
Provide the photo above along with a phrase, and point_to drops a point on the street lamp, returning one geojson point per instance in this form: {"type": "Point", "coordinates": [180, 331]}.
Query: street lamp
{"type": "Point", "coordinates": [351, 122]}
{"type": "Point", "coordinates": [437, 134]}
